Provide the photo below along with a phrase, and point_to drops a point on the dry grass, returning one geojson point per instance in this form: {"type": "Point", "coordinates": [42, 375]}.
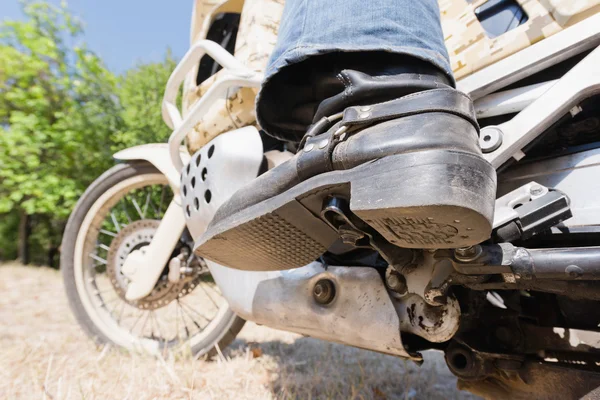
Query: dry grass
{"type": "Point", "coordinates": [44, 355]}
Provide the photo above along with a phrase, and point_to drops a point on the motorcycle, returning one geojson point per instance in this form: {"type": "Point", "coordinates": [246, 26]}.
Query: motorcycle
{"type": "Point", "coordinates": [516, 316]}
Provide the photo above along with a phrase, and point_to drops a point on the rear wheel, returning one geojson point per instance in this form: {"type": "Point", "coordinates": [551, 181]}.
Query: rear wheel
{"type": "Point", "coordinates": [117, 214]}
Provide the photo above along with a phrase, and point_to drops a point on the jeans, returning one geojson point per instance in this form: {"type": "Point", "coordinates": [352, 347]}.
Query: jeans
{"type": "Point", "coordinates": [311, 28]}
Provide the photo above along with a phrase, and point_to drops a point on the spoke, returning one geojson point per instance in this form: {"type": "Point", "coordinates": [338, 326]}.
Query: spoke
{"type": "Point", "coordinates": [99, 259]}
{"type": "Point", "coordinates": [177, 322]}
{"type": "Point", "coordinates": [98, 292]}
{"type": "Point", "coordinates": [157, 325]}
{"type": "Point", "coordinates": [191, 319]}
{"type": "Point", "coordinates": [114, 221]}
{"type": "Point", "coordinates": [121, 313]}
{"type": "Point", "coordinates": [147, 200]}
{"type": "Point", "coordinates": [104, 303]}
{"type": "Point", "coordinates": [191, 309]}
{"type": "Point", "coordinates": [109, 233]}
{"type": "Point", "coordinates": [137, 208]}
{"type": "Point", "coordinates": [110, 301]}
{"type": "Point", "coordinates": [214, 288]}
{"type": "Point", "coordinates": [187, 331]}
{"type": "Point", "coordinates": [162, 199]}
{"type": "Point", "coordinates": [103, 246]}
{"type": "Point", "coordinates": [113, 310]}
{"type": "Point", "coordinates": [144, 324]}
{"type": "Point", "coordinates": [208, 295]}
{"type": "Point", "coordinates": [136, 321]}
{"type": "Point", "coordinates": [124, 207]}
{"type": "Point", "coordinates": [156, 212]}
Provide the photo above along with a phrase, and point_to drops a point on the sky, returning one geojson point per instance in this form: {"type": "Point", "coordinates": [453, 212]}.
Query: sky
{"type": "Point", "coordinates": [127, 32]}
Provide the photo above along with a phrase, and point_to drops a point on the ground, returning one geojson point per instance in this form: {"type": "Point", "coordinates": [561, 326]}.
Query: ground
{"type": "Point", "coordinates": [46, 356]}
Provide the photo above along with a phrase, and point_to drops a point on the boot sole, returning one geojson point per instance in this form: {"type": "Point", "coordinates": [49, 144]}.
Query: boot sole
{"type": "Point", "coordinates": [430, 199]}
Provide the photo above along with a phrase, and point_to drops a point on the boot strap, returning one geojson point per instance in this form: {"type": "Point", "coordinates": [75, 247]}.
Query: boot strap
{"type": "Point", "coordinates": [445, 100]}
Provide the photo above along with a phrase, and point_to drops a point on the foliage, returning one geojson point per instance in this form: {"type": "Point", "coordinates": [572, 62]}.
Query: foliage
{"type": "Point", "coordinates": [57, 112]}
{"type": "Point", "coordinates": [62, 114]}
{"type": "Point", "coordinates": [140, 92]}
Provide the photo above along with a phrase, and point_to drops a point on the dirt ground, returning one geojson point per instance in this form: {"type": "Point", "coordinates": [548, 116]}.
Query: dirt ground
{"type": "Point", "coordinates": [44, 355]}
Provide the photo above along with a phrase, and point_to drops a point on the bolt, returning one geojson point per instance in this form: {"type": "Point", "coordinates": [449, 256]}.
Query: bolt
{"type": "Point", "coordinates": [350, 237]}
{"type": "Point", "coordinates": [466, 254]}
{"type": "Point", "coordinates": [396, 282]}
{"type": "Point", "coordinates": [309, 147]}
{"type": "Point", "coordinates": [574, 271]}
{"type": "Point", "coordinates": [536, 190]}
{"type": "Point", "coordinates": [324, 291]}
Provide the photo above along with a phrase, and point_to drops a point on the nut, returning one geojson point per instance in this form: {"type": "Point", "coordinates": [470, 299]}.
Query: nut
{"type": "Point", "coordinates": [466, 254]}
{"type": "Point", "coordinates": [324, 291]}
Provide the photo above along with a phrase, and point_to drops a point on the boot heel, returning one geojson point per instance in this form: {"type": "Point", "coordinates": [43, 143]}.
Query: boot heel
{"type": "Point", "coordinates": [431, 199]}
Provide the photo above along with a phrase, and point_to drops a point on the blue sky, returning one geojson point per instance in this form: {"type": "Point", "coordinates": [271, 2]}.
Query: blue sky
{"type": "Point", "coordinates": [127, 32]}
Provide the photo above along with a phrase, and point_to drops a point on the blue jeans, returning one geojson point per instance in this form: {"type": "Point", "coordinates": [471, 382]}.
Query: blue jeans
{"type": "Point", "coordinates": [310, 28]}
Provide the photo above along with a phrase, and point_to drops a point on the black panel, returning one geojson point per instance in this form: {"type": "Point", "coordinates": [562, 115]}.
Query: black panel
{"type": "Point", "coordinates": [500, 16]}
{"type": "Point", "coordinates": [223, 31]}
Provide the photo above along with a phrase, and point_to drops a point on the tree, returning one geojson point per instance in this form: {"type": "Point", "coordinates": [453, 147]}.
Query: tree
{"type": "Point", "coordinates": [140, 93]}
{"type": "Point", "coordinates": [58, 118]}
{"type": "Point", "coordinates": [62, 115]}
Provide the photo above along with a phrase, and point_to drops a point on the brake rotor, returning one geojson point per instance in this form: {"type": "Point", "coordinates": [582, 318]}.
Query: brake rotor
{"type": "Point", "coordinates": [136, 236]}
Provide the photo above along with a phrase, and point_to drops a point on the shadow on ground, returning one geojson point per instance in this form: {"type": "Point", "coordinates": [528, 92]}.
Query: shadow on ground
{"type": "Point", "coordinates": [310, 368]}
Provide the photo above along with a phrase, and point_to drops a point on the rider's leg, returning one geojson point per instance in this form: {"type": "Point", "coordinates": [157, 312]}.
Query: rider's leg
{"type": "Point", "coordinates": [404, 156]}
{"type": "Point", "coordinates": [381, 37]}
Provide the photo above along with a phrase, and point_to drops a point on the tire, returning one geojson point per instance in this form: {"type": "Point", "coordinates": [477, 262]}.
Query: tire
{"type": "Point", "coordinates": [221, 334]}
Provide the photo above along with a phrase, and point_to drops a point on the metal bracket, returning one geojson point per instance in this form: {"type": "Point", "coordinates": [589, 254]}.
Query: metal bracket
{"type": "Point", "coordinates": [336, 213]}
{"type": "Point", "coordinates": [533, 208]}
{"type": "Point", "coordinates": [581, 82]}
{"type": "Point", "coordinates": [505, 206]}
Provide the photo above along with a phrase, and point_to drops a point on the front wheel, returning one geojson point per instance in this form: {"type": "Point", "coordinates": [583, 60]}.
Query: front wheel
{"type": "Point", "coordinates": [117, 214]}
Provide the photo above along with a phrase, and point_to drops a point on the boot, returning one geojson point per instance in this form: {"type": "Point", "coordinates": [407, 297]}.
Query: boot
{"type": "Point", "coordinates": [410, 167]}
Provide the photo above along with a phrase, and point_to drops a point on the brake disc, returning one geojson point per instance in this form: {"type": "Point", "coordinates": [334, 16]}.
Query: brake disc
{"type": "Point", "coordinates": [136, 236]}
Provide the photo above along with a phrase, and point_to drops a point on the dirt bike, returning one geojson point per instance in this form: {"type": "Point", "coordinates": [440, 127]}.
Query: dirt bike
{"type": "Point", "coordinates": [517, 316]}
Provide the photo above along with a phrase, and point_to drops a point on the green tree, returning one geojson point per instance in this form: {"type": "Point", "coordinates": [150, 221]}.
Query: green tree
{"type": "Point", "coordinates": [140, 93]}
{"type": "Point", "coordinates": [62, 115]}
{"type": "Point", "coordinates": [58, 120]}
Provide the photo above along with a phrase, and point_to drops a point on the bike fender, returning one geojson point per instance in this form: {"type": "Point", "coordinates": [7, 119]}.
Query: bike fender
{"type": "Point", "coordinates": [156, 154]}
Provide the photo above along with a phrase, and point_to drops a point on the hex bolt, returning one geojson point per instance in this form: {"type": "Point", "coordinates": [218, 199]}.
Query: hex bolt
{"type": "Point", "coordinates": [396, 282]}
{"type": "Point", "coordinates": [536, 190]}
{"type": "Point", "coordinates": [324, 291]}
{"type": "Point", "coordinates": [467, 254]}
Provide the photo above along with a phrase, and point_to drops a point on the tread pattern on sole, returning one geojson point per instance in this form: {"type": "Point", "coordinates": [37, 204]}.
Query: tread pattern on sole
{"type": "Point", "coordinates": [416, 231]}
{"type": "Point", "coordinates": [268, 242]}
